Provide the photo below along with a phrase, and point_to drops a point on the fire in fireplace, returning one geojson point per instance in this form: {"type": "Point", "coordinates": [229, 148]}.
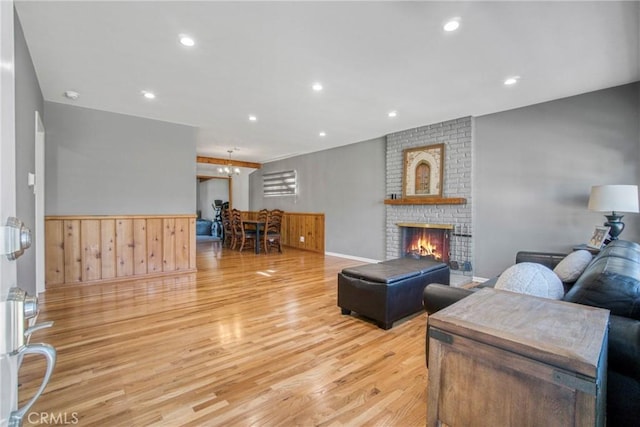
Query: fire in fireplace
{"type": "Point", "coordinates": [426, 241]}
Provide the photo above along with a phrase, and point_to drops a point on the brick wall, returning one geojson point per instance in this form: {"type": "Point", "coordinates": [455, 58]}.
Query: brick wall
{"type": "Point", "coordinates": [456, 135]}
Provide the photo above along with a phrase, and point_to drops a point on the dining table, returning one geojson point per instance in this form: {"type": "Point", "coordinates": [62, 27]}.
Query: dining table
{"type": "Point", "coordinates": [256, 225]}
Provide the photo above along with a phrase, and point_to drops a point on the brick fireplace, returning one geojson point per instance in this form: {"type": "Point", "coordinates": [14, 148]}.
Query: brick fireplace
{"type": "Point", "coordinates": [456, 137]}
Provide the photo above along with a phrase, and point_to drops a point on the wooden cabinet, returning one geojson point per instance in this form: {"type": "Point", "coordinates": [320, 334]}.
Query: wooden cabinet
{"type": "Point", "coordinates": [499, 358]}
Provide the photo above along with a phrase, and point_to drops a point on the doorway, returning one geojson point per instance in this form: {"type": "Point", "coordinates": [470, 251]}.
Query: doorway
{"type": "Point", "coordinates": [211, 188]}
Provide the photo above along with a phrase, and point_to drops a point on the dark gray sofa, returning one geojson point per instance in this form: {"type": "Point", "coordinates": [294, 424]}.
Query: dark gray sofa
{"type": "Point", "coordinates": [610, 281]}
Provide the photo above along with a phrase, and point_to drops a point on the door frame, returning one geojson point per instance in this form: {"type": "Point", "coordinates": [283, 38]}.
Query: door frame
{"type": "Point", "coordinates": [8, 269]}
{"type": "Point", "coordinates": [38, 191]}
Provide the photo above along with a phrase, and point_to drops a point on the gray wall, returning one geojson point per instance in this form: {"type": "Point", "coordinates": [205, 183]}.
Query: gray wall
{"type": "Point", "coordinates": [534, 168]}
{"type": "Point", "coordinates": [102, 163]}
{"type": "Point", "coordinates": [347, 184]}
{"type": "Point", "coordinates": [28, 101]}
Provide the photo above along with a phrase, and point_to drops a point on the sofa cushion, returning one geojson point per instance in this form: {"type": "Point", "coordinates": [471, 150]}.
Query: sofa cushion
{"type": "Point", "coordinates": [611, 281]}
{"type": "Point", "coordinates": [572, 266]}
{"type": "Point", "coordinates": [532, 279]}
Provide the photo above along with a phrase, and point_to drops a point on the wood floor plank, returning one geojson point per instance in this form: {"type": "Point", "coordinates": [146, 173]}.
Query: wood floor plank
{"type": "Point", "coordinates": [248, 340]}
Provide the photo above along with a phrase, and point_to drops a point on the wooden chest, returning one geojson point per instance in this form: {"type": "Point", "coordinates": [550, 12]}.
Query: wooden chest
{"type": "Point", "coordinates": [499, 358]}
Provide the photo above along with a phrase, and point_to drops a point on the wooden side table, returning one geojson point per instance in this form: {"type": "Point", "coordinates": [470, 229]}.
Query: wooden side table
{"type": "Point", "coordinates": [498, 358]}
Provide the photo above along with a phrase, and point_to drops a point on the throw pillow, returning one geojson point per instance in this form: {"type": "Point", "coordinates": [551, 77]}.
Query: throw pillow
{"type": "Point", "coordinates": [531, 279]}
{"type": "Point", "coordinates": [572, 266]}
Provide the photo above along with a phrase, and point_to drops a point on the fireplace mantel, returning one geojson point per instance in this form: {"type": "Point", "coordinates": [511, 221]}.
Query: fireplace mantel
{"type": "Point", "coordinates": [424, 225]}
{"type": "Point", "coordinates": [427, 201]}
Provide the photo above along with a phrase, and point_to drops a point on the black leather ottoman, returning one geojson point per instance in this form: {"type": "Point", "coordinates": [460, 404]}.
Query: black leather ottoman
{"type": "Point", "coordinates": [390, 290]}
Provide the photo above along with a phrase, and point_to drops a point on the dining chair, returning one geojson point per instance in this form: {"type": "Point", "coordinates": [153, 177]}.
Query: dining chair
{"type": "Point", "coordinates": [236, 225]}
{"type": "Point", "coordinates": [262, 215]}
{"type": "Point", "coordinates": [227, 228]}
{"type": "Point", "coordinates": [272, 235]}
{"type": "Point", "coordinates": [241, 235]}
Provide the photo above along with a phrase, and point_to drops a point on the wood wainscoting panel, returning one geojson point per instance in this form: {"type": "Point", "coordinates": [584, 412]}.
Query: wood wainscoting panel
{"type": "Point", "coordinates": [72, 251]}
{"type": "Point", "coordinates": [90, 249]}
{"type": "Point", "coordinates": [91, 258]}
{"type": "Point", "coordinates": [169, 245]}
{"type": "Point", "coordinates": [307, 225]}
{"type": "Point", "coordinates": [54, 255]}
{"type": "Point", "coordinates": [319, 227]}
{"type": "Point", "coordinates": [108, 244]}
{"type": "Point", "coordinates": [182, 243]}
{"type": "Point", "coordinates": [192, 244]}
{"type": "Point", "coordinates": [124, 247]}
{"type": "Point", "coordinates": [139, 246]}
{"type": "Point", "coordinates": [154, 245]}
{"type": "Point", "coordinates": [297, 224]}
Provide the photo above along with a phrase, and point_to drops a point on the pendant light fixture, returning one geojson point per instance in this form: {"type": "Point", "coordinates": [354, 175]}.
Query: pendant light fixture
{"type": "Point", "coordinates": [229, 170]}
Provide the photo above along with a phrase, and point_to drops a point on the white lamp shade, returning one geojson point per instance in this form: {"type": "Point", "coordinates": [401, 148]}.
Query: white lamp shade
{"type": "Point", "coordinates": [614, 198]}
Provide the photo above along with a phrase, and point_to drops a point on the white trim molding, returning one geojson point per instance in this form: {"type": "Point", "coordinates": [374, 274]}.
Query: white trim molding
{"type": "Point", "coordinates": [355, 258]}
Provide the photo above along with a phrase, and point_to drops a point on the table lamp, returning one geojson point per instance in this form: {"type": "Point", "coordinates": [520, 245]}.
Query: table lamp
{"type": "Point", "coordinates": [614, 198]}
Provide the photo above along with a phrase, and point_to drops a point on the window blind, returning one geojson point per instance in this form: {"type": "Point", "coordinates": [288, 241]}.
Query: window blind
{"type": "Point", "coordinates": [280, 183]}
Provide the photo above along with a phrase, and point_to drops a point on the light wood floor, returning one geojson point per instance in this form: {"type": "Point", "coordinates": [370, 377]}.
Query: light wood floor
{"type": "Point", "coordinates": [247, 341]}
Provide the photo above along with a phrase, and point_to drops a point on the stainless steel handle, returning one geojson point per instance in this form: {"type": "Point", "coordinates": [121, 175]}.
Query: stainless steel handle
{"type": "Point", "coordinates": [15, 419]}
{"type": "Point", "coordinates": [36, 328]}
{"type": "Point", "coordinates": [27, 335]}
{"type": "Point", "coordinates": [14, 238]}
{"type": "Point", "coordinates": [18, 308]}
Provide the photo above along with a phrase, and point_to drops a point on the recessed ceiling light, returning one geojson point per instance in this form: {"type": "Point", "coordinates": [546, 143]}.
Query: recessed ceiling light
{"type": "Point", "coordinates": [322, 134]}
{"type": "Point", "coordinates": [148, 95]}
{"type": "Point", "coordinates": [392, 113]}
{"type": "Point", "coordinates": [187, 41]}
{"type": "Point", "coordinates": [317, 87]}
{"type": "Point", "coordinates": [511, 80]}
{"type": "Point", "coordinates": [452, 25]}
{"type": "Point", "coordinates": [252, 118]}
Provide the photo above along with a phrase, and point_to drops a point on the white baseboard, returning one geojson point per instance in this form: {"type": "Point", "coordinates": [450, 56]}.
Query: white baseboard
{"type": "Point", "coordinates": [355, 258]}
{"type": "Point", "coordinates": [479, 279]}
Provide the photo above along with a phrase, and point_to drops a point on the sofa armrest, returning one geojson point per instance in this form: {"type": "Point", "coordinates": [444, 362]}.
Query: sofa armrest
{"type": "Point", "coordinates": [548, 259]}
{"type": "Point", "coordinates": [623, 375]}
{"type": "Point", "coordinates": [436, 297]}
{"type": "Point", "coordinates": [624, 346]}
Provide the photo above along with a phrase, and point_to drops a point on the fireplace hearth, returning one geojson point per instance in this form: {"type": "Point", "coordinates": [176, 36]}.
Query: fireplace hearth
{"type": "Point", "coordinates": [429, 241]}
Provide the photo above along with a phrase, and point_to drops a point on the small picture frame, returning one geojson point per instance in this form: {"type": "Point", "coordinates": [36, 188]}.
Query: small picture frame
{"type": "Point", "coordinates": [599, 235]}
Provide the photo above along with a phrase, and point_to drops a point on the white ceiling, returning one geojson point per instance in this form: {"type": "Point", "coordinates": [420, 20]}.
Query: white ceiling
{"type": "Point", "coordinates": [372, 57]}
